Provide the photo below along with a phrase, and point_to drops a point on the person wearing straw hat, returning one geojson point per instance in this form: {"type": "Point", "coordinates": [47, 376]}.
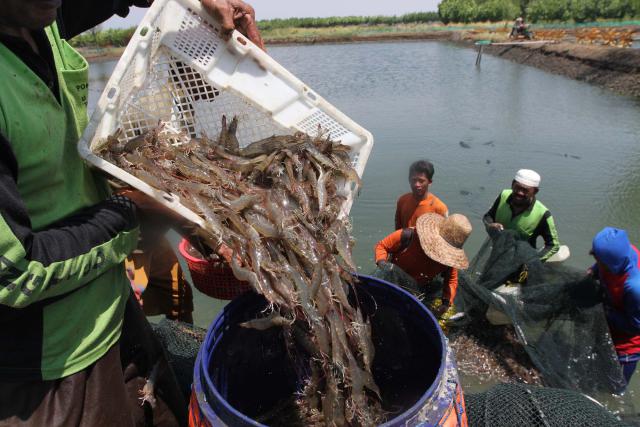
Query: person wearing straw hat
{"type": "Point", "coordinates": [518, 209]}
{"type": "Point", "coordinates": [437, 250]}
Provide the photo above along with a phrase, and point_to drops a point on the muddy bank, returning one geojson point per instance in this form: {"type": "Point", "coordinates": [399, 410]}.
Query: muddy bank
{"type": "Point", "coordinates": [433, 35]}
{"type": "Point", "coordinates": [613, 68]}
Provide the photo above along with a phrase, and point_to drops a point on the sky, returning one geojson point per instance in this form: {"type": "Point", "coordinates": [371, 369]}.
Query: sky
{"type": "Point", "coordinates": [269, 9]}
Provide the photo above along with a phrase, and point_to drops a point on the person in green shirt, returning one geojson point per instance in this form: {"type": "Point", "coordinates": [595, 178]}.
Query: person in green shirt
{"type": "Point", "coordinates": [75, 347]}
{"type": "Point", "coordinates": [518, 209]}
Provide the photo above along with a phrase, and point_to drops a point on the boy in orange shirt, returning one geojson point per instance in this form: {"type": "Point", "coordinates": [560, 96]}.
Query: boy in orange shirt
{"type": "Point", "coordinates": [419, 202]}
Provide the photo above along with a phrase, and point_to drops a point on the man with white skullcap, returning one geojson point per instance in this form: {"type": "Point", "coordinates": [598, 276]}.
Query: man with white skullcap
{"type": "Point", "coordinates": [518, 209]}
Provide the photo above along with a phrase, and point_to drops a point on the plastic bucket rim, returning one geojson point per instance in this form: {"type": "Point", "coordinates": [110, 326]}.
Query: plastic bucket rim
{"type": "Point", "coordinates": [204, 406]}
{"type": "Point", "coordinates": [182, 247]}
{"type": "Point", "coordinates": [211, 344]}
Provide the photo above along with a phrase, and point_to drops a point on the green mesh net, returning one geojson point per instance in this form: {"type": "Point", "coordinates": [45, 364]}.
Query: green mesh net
{"type": "Point", "coordinates": [508, 405]}
{"type": "Point", "coordinates": [181, 342]}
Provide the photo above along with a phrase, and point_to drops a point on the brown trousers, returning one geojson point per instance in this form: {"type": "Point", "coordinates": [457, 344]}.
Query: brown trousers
{"type": "Point", "coordinates": [106, 393]}
{"type": "Point", "coordinates": [156, 270]}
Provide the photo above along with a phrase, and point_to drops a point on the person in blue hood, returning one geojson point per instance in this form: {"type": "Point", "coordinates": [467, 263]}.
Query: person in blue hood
{"type": "Point", "coordinates": [619, 273]}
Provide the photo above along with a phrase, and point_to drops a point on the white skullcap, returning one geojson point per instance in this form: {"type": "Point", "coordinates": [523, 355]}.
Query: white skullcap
{"type": "Point", "coordinates": [528, 177]}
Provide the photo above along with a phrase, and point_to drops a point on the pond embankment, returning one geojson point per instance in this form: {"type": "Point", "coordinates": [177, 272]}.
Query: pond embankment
{"type": "Point", "coordinates": [617, 69]}
{"type": "Point", "coordinates": [613, 68]}
{"type": "Point", "coordinates": [338, 38]}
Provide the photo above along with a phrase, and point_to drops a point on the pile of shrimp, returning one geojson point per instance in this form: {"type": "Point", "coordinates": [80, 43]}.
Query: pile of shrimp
{"type": "Point", "coordinates": [277, 204]}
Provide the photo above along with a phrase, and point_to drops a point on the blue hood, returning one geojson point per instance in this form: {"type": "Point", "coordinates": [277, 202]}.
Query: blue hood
{"type": "Point", "coordinates": [611, 247]}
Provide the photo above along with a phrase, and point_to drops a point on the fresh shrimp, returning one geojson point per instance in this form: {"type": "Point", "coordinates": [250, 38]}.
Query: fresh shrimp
{"type": "Point", "coordinates": [243, 274]}
{"type": "Point", "coordinates": [311, 177]}
{"type": "Point", "coordinates": [282, 285]}
{"type": "Point", "coordinates": [346, 170]}
{"type": "Point", "coordinates": [337, 287]}
{"type": "Point", "coordinates": [331, 402]}
{"type": "Point", "coordinates": [239, 204]}
{"type": "Point", "coordinates": [213, 222]}
{"type": "Point", "coordinates": [222, 138]}
{"type": "Point", "coordinates": [342, 243]}
{"type": "Point", "coordinates": [362, 332]}
{"type": "Point", "coordinates": [232, 142]}
{"type": "Point", "coordinates": [263, 323]}
{"type": "Point", "coordinates": [269, 145]}
{"type": "Point", "coordinates": [318, 156]}
{"type": "Point", "coordinates": [150, 179]}
{"type": "Point", "coordinates": [262, 224]}
{"type": "Point", "coordinates": [321, 189]}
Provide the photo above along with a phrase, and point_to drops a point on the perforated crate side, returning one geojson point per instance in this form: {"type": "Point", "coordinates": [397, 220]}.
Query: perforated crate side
{"type": "Point", "coordinates": [177, 69]}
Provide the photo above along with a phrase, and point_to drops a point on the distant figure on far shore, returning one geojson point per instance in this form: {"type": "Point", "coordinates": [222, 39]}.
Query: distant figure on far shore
{"type": "Point", "coordinates": [520, 29]}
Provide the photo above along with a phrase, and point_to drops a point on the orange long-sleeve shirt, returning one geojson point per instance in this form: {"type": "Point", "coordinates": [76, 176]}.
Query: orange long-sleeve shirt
{"type": "Point", "coordinates": [416, 263]}
{"type": "Point", "coordinates": [408, 209]}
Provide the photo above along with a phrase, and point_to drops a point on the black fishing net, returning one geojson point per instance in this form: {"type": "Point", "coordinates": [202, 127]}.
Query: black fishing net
{"type": "Point", "coordinates": [394, 274]}
{"type": "Point", "coordinates": [430, 295]}
{"type": "Point", "coordinates": [181, 342]}
{"type": "Point", "coordinates": [508, 405]}
{"type": "Point", "coordinates": [556, 312]}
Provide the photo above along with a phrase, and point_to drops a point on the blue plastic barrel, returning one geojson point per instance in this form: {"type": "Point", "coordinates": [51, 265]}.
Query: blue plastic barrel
{"type": "Point", "coordinates": [242, 373]}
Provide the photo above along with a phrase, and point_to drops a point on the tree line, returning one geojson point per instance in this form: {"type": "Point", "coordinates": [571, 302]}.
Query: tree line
{"type": "Point", "coordinates": [335, 21]}
{"type": "Point", "coordinates": [96, 38]}
{"type": "Point", "coordinates": [120, 37]}
{"type": "Point", "coordinates": [536, 10]}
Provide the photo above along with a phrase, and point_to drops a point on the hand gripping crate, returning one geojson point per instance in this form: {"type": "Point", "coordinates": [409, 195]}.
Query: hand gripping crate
{"type": "Point", "coordinates": [178, 69]}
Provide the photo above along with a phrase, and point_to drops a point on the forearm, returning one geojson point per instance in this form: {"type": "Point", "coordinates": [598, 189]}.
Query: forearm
{"type": "Point", "coordinates": [489, 217]}
{"type": "Point", "coordinates": [38, 264]}
{"type": "Point", "coordinates": [388, 246]}
{"type": "Point", "coordinates": [65, 256]}
{"type": "Point", "coordinates": [451, 286]}
{"type": "Point", "coordinates": [381, 252]}
{"type": "Point", "coordinates": [629, 320]}
{"type": "Point", "coordinates": [547, 230]}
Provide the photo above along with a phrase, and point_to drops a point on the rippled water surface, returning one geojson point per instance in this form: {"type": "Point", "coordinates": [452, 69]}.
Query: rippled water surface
{"type": "Point", "coordinates": [423, 99]}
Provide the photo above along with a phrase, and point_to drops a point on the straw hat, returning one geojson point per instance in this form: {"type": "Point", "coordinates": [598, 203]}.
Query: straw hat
{"type": "Point", "coordinates": [442, 238]}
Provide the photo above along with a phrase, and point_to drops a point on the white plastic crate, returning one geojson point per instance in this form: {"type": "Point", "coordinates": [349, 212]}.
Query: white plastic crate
{"type": "Point", "coordinates": [179, 70]}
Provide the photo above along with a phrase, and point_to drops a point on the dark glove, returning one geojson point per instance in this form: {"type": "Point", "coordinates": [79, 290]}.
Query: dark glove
{"type": "Point", "coordinates": [442, 308]}
{"type": "Point", "coordinates": [385, 265]}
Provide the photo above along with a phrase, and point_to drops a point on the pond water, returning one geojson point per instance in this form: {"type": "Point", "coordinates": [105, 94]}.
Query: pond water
{"type": "Point", "coordinates": [478, 126]}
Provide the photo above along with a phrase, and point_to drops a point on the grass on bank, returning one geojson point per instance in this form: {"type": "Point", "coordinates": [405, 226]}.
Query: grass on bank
{"type": "Point", "coordinates": [110, 43]}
